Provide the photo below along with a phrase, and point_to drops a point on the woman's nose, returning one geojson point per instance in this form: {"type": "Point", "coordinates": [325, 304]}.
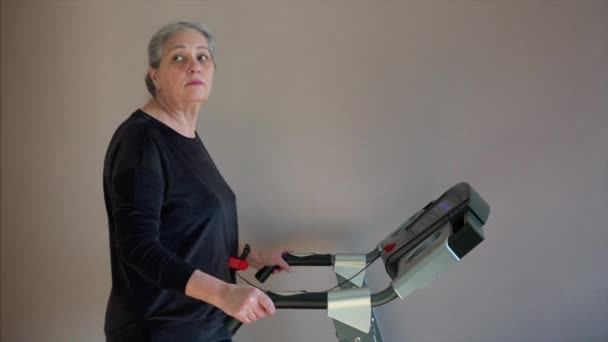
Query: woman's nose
{"type": "Point", "coordinates": [194, 67]}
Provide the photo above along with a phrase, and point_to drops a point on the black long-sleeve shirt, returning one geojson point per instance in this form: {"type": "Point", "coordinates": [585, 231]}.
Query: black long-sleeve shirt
{"type": "Point", "coordinates": [170, 212]}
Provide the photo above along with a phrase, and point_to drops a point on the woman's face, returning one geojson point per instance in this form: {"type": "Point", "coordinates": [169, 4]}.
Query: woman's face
{"type": "Point", "coordinates": [185, 73]}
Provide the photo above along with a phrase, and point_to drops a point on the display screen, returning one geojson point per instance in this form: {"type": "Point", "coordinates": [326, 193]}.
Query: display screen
{"type": "Point", "coordinates": [445, 206]}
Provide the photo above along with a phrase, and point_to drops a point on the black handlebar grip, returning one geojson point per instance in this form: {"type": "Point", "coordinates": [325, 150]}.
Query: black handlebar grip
{"type": "Point", "coordinates": [297, 260]}
{"type": "Point", "coordinates": [264, 273]}
{"type": "Point", "coordinates": [232, 324]}
{"type": "Point", "coordinates": [309, 260]}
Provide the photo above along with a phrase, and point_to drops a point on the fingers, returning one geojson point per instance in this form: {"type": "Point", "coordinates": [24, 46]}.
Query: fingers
{"type": "Point", "coordinates": [283, 265]}
{"type": "Point", "coordinates": [249, 315]}
{"type": "Point", "coordinates": [267, 305]}
{"type": "Point", "coordinates": [258, 312]}
{"type": "Point", "coordinates": [243, 318]}
{"type": "Point", "coordinates": [263, 306]}
{"type": "Point", "coordinates": [273, 257]}
{"type": "Point", "coordinates": [254, 306]}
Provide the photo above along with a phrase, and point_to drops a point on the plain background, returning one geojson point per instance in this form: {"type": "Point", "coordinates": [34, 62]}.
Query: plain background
{"type": "Point", "coordinates": [333, 121]}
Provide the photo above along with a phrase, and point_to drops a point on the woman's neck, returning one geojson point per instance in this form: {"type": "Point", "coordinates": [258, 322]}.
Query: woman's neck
{"type": "Point", "coordinates": [183, 120]}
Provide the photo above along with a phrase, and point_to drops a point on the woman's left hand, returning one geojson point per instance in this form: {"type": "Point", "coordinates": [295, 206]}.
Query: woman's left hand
{"type": "Point", "coordinates": [271, 257]}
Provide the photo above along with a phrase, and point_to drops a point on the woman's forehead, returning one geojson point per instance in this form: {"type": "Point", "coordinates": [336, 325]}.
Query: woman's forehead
{"type": "Point", "coordinates": [186, 39]}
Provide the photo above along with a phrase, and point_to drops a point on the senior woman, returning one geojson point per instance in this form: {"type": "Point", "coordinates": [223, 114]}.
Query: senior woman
{"type": "Point", "coordinates": [172, 217]}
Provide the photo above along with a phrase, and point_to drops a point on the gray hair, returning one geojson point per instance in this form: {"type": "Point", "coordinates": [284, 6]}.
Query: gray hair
{"type": "Point", "coordinates": [155, 47]}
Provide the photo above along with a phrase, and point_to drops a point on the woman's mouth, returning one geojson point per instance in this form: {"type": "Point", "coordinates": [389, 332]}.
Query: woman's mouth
{"type": "Point", "coordinates": [195, 82]}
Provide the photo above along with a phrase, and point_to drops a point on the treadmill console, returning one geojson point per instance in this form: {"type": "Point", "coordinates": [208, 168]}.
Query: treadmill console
{"type": "Point", "coordinates": [455, 219]}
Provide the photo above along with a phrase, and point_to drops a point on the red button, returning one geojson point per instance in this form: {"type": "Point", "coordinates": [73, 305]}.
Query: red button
{"type": "Point", "coordinates": [389, 247]}
{"type": "Point", "coordinates": [238, 264]}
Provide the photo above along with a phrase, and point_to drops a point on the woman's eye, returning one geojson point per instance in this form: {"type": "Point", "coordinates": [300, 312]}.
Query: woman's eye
{"type": "Point", "coordinates": [203, 58]}
{"type": "Point", "coordinates": [178, 58]}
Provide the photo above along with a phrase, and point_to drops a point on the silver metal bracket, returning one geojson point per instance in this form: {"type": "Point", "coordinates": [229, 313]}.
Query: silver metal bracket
{"type": "Point", "coordinates": [347, 265]}
{"type": "Point", "coordinates": [351, 306]}
{"type": "Point", "coordinates": [425, 263]}
{"type": "Point", "coordinates": [345, 332]}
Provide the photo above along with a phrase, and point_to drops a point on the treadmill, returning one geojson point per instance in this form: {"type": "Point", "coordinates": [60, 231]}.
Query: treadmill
{"type": "Point", "coordinates": [417, 252]}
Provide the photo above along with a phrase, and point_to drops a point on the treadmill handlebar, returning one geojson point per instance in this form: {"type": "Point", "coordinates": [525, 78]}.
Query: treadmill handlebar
{"type": "Point", "coordinates": [297, 260]}
{"type": "Point", "coordinates": [308, 300]}
{"type": "Point", "coordinates": [305, 300]}
{"type": "Point", "coordinates": [308, 260]}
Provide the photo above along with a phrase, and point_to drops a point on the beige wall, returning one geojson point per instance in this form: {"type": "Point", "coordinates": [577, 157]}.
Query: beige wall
{"type": "Point", "coordinates": [333, 121]}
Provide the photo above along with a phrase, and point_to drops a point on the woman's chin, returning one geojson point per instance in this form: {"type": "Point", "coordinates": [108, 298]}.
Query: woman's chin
{"type": "Point", "coordinates": [200, 99]}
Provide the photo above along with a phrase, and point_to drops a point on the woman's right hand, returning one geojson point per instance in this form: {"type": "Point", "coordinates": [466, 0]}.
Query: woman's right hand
{"type": "Point", "coordinates": [246, 303]}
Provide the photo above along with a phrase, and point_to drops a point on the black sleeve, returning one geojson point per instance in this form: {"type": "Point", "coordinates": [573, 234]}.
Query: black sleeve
{"type": "Point", "coordinates": [136, 189]}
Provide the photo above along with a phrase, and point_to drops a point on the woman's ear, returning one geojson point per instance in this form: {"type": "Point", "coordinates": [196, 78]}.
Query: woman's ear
{"type": "Point", "coordinates": [152, 72]}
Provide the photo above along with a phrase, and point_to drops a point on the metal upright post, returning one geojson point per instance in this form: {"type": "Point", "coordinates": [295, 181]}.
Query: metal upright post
{"type": "Point", "coordinates": [346, 333]}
